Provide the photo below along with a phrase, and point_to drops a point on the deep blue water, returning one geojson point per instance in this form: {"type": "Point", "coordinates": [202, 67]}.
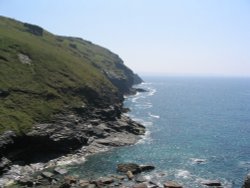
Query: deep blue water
{"type": "Point", "coordinates": [187, 119]}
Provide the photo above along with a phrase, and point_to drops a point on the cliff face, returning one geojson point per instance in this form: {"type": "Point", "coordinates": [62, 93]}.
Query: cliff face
{"type": "Point", "coordinates": [52, 87]}
{"type": "Point", "coordinates": [42, 74]}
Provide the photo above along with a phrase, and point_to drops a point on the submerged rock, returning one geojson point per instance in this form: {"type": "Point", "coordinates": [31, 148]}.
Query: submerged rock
{"type": "Point", "coordinates": [172, 184]}
{"type": "Point", "coordinates": [134, 168]}
{"type": "Point", "coordinates": [211, 183]}
{"type": "Point", "coordinates": [141, 90]}
{"type": "Point", "coordinates": [140, 185]}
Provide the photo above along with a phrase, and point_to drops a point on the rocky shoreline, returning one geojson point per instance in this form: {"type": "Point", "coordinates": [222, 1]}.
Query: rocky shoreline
{"type": "Point", "coordinates": [67, 140]}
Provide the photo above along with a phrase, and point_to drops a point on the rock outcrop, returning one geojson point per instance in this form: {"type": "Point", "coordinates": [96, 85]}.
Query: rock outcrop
{"type": "Point", "coordinates": [61, 99]}
{"type": "Point", "coordinates": [247, 181]}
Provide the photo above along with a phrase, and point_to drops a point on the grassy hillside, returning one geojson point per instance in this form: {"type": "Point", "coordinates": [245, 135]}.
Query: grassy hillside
{"type": "Point", "coordinates": [42, 74]}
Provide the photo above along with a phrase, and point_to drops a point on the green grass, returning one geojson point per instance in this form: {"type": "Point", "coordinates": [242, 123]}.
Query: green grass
{"type": "Point", "coordinates": [60, 67]}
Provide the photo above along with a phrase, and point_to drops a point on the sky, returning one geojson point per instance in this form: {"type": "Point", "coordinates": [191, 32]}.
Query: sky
{"type": "Point", "coordinates": [159, 37]}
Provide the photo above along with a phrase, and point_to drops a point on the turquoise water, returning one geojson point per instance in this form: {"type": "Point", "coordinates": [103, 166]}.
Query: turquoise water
{"type": "Point", "coordinates": [187, 119]}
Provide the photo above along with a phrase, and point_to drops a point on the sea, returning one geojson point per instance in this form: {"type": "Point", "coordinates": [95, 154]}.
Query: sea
{"type": "Point", "coordinates": [198, 128]}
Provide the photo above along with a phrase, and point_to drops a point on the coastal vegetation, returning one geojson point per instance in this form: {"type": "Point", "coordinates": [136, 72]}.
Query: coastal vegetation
{"type": "Point", "coordinates": [42, 74]}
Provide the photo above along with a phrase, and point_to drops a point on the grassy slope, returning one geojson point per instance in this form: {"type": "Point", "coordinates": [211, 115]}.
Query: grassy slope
{"type": "Point", "coordinates": [60, 67]}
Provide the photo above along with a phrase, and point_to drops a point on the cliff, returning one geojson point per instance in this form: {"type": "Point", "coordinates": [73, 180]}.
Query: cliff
{"type": "Point", "coordinates": [57, 93]}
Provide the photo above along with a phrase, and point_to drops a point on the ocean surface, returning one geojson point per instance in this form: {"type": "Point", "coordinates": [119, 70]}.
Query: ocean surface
{"type": "Point", "coordinates": [197, 129]}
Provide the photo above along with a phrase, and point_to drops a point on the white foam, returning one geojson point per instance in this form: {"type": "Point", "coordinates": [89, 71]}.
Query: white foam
{"type": "Point", "coordinates": [147, 177]}
{"type": "Point", "coordinates": [244, 164]}
{"type": "Point", "coordinates": [198, 161]}
{"type": "Point", "coordinates": [144, 105]}
{"type": "Point", "coordinates": [152, 92]}
{"type": "Point", "coordinates": [145, 138]}
{"type": "Point", "coordinates": [183, 174]}
{"type": "Point", "coordinates": [154, 116]}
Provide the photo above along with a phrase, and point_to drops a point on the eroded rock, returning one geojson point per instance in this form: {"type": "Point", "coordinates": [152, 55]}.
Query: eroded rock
{"type": "Point", "coordinates": [130, 175]}
{"type": "Point", "coordinates": [247, 181]}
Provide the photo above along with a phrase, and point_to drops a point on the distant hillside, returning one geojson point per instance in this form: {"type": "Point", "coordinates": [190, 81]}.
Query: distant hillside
{"type": "Point", "coordinates": [42, 74]}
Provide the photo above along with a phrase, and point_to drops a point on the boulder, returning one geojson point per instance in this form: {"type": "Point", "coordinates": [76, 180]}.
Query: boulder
{"type": "Point", "coordinates": [4, 164]}
{"type": "Point", "coordinates": [125, 167]}
{"type": "Point", "coordinates": [247, 181]}
{"type": "Point", "coordinates": [140, 179]}
{"type": "Point", "coordinates": [26, 181]}
{"type": "Point", "coordinates": [60, 171]}
{"type": "Point", "coordinates": [118, 177]}
{"type": "Point", "coordinates": [65, 185]}
{"type": "Point", "coordinates": [106, 180]}
{"type": "Point", "coordinates": [47, 175]}
{"type": "Point", "coordinates": [211, 183]}
{"type": "Point", "coordinates": [140, 185]}
{"type": "Point", "coordinates": [130, 175]}
{"type": "Point", "coordinates": [70, 179]}
{"type": "Point", "coordinates": [90, 186]}
{"type": "Point", "coordinates": [172, 184]}
{"type": "Point", "coordinates": [84, 183]}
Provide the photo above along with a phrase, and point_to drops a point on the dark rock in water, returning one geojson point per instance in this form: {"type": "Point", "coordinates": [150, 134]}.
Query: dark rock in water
{"type": "Point", "coordinates": [247, 181]}
{"type": "Point", "coordinates": [140, 185]}
{"type": "Point", "coordinates": [60, 171]}
{"type": "Point", "coordinates": [146, 167]}
{"type": "Point", "coordinates": [141, 90]}
{"type": "Point", "coordinates": [172, 184]}
{"type": "Point", "coordinates": [48, 175]}
{"type": "Point", "coordinates": [211, 183]}
{"type": "Point", "coordinates": [125, 167]}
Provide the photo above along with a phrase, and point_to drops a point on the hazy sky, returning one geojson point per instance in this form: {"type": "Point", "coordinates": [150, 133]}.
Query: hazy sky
{"type": "Point", "coordinates": [210, 37]}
